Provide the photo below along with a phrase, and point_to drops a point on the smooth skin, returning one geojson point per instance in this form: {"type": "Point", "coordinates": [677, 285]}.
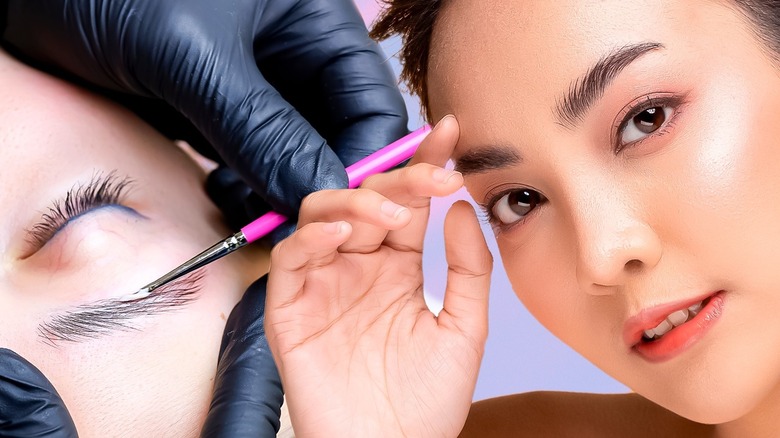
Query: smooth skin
{"type": "Point", "coordinates": [628, 220]}
{"type": "Point", "coordinates": [342, 278]}
{"type": "Point", "coordinates": [351, 272]}
{"type": "Point", "coordinates": [633, 221]}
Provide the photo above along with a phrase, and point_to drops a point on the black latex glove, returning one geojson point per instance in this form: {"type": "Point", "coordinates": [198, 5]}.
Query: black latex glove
{"type": "Point", "coordinates": [29, 404]}
{"type": "Point", "coordinates": [285, 90]}
{"type": "Point", "coordinates": [248, 391]}
{"type": "Point", "coordinates": [247, 396]}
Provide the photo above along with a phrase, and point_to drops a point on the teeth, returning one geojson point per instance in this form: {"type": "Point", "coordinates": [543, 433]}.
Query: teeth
{"type": "Point", "coordinates": [673, 320]}
{"type": "Point", "coordinates": [678, 317]}
{"type": "Point", "coordinates": [663, 327]}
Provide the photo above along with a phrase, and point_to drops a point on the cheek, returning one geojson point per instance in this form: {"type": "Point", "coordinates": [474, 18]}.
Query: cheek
{"type": "Point", "coordinates": [725, 190]}
{"type": "Point", "coordinates": [543, 276]}
{"type": "Point", "coordinates": [541, 272]}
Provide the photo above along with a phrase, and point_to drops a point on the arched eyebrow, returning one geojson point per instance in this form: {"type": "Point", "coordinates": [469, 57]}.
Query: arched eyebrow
{"type": "Point", "coordinates": [570, 109]}
{"type": "Point", "coordinates": [585, 90]}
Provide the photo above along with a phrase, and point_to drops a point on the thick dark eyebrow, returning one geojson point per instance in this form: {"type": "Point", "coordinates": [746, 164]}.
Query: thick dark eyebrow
{"type": "Point", "coordinates": [98, 318]}
{"type": "Point", "coordinates": [584, 91]}
{"type": "Point", "coordinates": [482, 159]}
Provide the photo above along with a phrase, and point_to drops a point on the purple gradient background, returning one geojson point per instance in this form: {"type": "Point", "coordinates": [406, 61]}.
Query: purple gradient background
{"type": "Point", "coordinates": [521, 355]}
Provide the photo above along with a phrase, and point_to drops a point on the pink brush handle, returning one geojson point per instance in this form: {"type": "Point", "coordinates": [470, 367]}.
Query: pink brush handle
{"type": "Point", "coordinates": [378, 162]}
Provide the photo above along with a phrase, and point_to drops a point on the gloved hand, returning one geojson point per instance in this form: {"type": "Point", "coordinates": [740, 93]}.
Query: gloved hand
{"type": "Point", "coordinates": [285, 91]}
{"type": "Point", "coordinates": [247, 396]}
{"type": "Point", "coordinates": [248, 392]}
{"type": "Point", "coordinates": [29, 404]}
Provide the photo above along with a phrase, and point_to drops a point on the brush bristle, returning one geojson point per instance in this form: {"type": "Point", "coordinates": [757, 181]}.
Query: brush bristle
{"type": "Point", "coordinates": [142, 293]}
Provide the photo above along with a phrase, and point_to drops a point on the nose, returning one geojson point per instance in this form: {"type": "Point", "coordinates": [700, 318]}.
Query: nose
{"type": "Point", "coordinates": [614, 245]}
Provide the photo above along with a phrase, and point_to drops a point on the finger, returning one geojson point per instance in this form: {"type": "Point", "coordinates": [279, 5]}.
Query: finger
{"type": "Point", "coordinates": [312, 246]}
{"type": "Point", "coordinates": [369, 213]}
{"type": "Point", "coordinates": [435, 149]}
{"type": "Point", "coordinates": [229, 193]}
{"type": "Point", "coordinates": [259, 134]}
{"type": "Point", "coordinates": [439, 145]}
{"type": "Point", "coordinates": [334, 74]}
{"type": "Point", "coordinates": [30, 404]}
{"type": "Point", "coordinates": [413, 187]}
{"type": "Point", "coordinates": [468, 276]}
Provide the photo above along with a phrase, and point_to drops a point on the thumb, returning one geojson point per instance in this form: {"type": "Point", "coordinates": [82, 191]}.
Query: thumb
{"type": "Point", "coordinates": [29, 404]}
{"type": "Point", "coordinates": [468, 278]}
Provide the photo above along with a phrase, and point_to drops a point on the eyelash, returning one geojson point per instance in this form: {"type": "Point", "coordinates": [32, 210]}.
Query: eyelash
{"type": "Point", "coordinates": [639, 106]}
{"type": "Point", "coordinates": [102, 190]}
{"type": "Point", "coordinates": [498, 226]}
{"type": "Point", "coordinates": [91, 321]}
{"type": "Point", "coordinates": [629, 112]}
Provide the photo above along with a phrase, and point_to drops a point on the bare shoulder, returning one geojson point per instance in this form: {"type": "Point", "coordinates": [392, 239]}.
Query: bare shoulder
{"type": "Point", "coordinates": [571, 414]}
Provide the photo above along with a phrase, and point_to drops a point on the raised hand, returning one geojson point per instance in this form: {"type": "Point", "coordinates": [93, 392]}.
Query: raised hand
{"type": "Point", "coordinates": [358, 350]}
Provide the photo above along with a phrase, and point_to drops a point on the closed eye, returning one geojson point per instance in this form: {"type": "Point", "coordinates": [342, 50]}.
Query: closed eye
{"type": "Point", "coordinates": [101, 191]}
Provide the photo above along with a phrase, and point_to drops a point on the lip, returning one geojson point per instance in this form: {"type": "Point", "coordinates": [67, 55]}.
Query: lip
{"type": "Point", "coordinates": [651, 317]}
{"type": "Point", "coordinates": [681, 337]}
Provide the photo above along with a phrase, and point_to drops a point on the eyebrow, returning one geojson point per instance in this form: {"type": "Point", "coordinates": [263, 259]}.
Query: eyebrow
{"type": "Point", "coordinates": [485, 158]}
{"type": "Point", "coordinates": [571, 108]}
{"type": "Point", "coordinates": [584, 91]}
{"type": "Point", "coordinates": [98, 318]}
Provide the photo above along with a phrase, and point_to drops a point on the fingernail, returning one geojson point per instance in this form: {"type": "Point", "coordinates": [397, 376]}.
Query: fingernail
{"type": "Point", "coordinates": [392, 209]}
{"type": "Point", "coordinates": [444, 175]}
{"type": "Point", "coordinates": [334, 227]}
{"type": "Point", "coordinates": [441, 121]}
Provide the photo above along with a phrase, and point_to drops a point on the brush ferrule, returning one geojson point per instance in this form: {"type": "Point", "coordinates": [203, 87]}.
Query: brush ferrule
{"type": "Point", "coordinates": [214, 252]}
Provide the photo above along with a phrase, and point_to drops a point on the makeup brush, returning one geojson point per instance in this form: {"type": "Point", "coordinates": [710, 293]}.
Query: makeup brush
{"type": "Point", "coordinates": [380, 161]}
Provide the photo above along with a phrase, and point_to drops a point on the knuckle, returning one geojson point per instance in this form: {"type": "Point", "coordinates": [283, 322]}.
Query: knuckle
{"type": "Point", "coordinates": [312, 201]}
{"type": "Point", "coordinates": [422, 170]}
{"type": "Point", "coordinates": [276, 252]}
{"type": "Point", "coordinates": [373, 180]}
{"type": "Point", "coordinates": [357, 199]}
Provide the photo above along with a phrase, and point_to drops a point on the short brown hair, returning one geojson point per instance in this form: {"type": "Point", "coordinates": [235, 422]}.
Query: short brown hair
{"type": "Point", "coordinates": [413, 20]}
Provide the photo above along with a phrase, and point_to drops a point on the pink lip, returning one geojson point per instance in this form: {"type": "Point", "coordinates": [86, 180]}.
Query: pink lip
{"type": "Point", "coordinates": [651, 317]}
{"type": "Point", "coordinates": [679, 338]}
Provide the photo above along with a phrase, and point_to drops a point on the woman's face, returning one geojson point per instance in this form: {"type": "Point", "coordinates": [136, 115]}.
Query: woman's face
{"type": "Point", "coordinates": [135, 208]}
{"type": "Point", "coordinates": [628, 154]}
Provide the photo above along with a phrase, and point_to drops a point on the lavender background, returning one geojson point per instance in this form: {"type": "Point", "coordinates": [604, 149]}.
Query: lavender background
{"type": "Point", "coordinates": [521, 355]}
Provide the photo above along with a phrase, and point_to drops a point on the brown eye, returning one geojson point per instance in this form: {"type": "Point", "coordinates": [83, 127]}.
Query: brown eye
{"type": "Point", "coordinates": [514, 205]}
{"type": "Point", "coordinates": [649, 120]}
{"type": "Point", "coordinates": [645, 123]}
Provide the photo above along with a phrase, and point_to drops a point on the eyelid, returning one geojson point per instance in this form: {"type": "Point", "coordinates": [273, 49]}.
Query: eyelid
{"type": "Point", "coordinates": [495, 195]}
{"type": "Point", "coordinates": [102, 190]}
{"type": "Point", "coordinates": [635, 107]}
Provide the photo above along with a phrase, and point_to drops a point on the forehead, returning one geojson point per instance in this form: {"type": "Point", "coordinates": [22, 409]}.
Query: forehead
{"type": "Point", "coordinates": [51, 129]}
{"type": "Point", "coordinates": [482, 50]}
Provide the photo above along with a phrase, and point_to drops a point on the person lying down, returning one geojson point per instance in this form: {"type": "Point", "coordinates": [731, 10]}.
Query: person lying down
{"type": "Point", "coordinates": [95, 205]}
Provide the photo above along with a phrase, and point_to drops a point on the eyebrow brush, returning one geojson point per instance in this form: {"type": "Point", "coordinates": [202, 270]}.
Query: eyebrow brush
{"type": "Point", "coordinates": [380, 161]}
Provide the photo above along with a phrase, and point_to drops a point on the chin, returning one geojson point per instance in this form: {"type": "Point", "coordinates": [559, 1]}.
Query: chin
{"type": "Point", "coordinates": [714, 399]}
